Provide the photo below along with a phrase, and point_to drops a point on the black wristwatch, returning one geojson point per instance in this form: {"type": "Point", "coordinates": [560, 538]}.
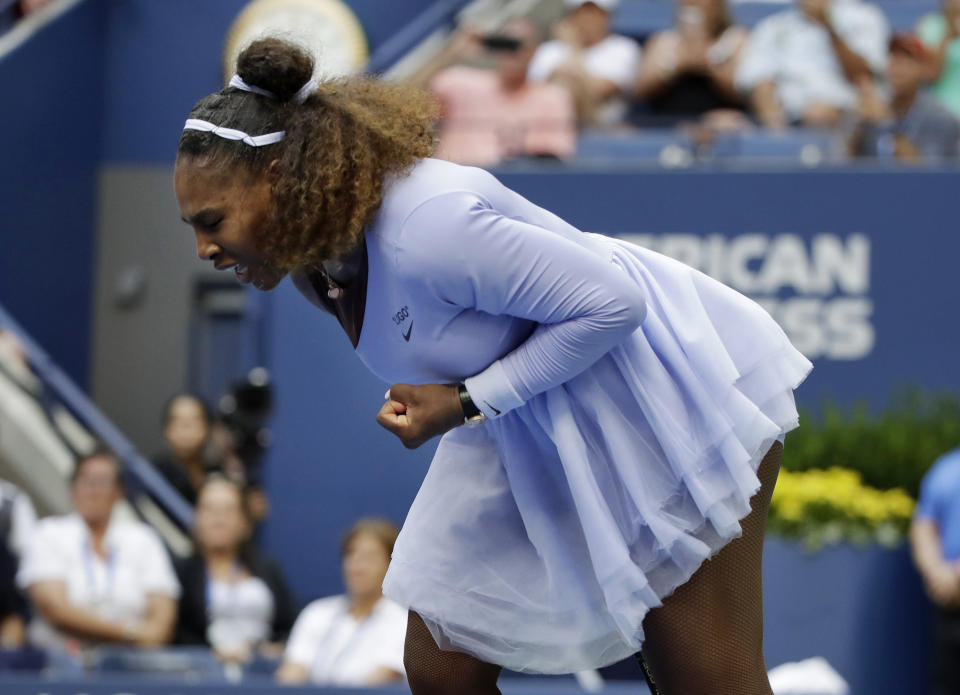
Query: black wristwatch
{"type": "Point", "coordinates": [471, 413]}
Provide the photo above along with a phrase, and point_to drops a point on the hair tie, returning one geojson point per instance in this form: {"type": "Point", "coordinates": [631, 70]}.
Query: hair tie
{"type": "Point", "coordinates": [301, 96]}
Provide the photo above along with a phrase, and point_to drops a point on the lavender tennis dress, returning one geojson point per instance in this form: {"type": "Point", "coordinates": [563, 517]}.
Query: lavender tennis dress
{"type": "Point", "coordinates": [630, 401]}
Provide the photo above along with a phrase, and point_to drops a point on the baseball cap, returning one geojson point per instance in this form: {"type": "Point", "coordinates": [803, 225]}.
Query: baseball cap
{"type": "Point", "coordinates": [608, 5]}
{"type": "Point", "coordinates": [911, 45]}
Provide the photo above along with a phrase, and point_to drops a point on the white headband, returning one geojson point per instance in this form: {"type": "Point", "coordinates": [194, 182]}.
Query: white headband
{"type": "Point", "coordinates": [301, 96]}
{"type": "Point", "coordinates": [231, 134]}
{"type": "Point", "coordinates": [253, 140]}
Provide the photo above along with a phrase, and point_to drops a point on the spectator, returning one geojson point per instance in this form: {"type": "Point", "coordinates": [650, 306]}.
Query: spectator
{"type": "Point", "coordinates": [913, 125]}
{"type": "Point", "coordinates": [598, 68]}
{"type": "Point", "coordinates": [800, 66]}
{"type": "Point", "coordinates": [688, 71]}
{"type": "Point", "coordinates": [356, 639]}
{"type": "Point", "coordinates": [94, 577]}
{"type": "Point", "coordinates": [187, 426]}
{"type": "Point", "coordinates": [234, 599]}
{"type": "Point", "coordinates": [935, 541]}
{"type": "Point", "coordinates": [17, 521]}
{"type": "Point", "coordinates": [493, 115]}
{"type": "Point", "coordinates": [941, 33]}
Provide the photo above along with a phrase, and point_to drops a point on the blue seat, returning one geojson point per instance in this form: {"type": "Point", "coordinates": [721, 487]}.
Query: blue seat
{"type": "Point", "coordinates": [188, 663]}
{"type": "Point", "coordinates": [668, 147]}
{"type": "Point", "coordinates": [800, 145]}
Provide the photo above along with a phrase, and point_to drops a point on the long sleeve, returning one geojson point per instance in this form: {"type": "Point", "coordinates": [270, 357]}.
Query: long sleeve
{"type": "Point", "coordinates": [472, 256]}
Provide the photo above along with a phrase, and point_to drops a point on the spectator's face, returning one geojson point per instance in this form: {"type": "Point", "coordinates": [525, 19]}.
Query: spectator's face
{"type": "Point", "coordinates": [592, 23]}
{"type": "Point", "coordinates": [219, 524]}
{"type": "Point", "coordinates": [905, 73]}
{"type": "Point", "coordinates": [186, 429]}
{"type": "Point", "coordinates": [365, 565]}
{"type": "Point", "coordinates": [512, 65]}
{"type": "Point", "coordinates": [698, 16]}
{"type": "Point", "coordinates": [227, 212]}
{"type": "Point", "coordinates": [95, 490]}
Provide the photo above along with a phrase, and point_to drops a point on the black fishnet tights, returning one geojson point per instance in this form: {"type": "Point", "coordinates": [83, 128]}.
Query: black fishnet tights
{"type": "Point", "coordinates": [431, 671]}
{"type": "Point", "coordinates": [706, 638]}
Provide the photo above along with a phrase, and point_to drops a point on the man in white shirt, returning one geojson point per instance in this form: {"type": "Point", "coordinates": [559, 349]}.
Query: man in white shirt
{"type": "Point", "coordinates": [17, 521]}
{"type": "Point", "coordinates": [93, 577]}
{"type": "Point", "coordinates": [801, 65]}
{"type": "Point", "coordinates": [597, 67]}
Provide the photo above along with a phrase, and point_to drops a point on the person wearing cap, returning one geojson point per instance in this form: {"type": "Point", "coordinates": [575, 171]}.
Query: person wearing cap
{"type": "Point", "coordinates": [492, 114]}
{"type": "Point", "coordinates": [597, 67]}
{"type": "Point", "coordinates": [801, 66]}
{"type": "Point", "coordinates": [913, 125]}
{"type": "Point", "coordinates": [940, 31]}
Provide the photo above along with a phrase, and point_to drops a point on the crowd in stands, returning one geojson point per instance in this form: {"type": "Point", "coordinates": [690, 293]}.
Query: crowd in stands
{"type": "Point", "coordinates": [831, 66]}
{"type": "Point", "coordinates": [99, 577]}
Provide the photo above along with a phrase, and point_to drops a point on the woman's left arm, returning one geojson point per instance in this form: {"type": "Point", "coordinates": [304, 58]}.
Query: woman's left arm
{"type": "Point", "coordinates": [473, 256]}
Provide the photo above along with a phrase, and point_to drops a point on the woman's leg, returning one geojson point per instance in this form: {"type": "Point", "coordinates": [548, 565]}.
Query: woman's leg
{"type": "Point", "coordinates": [431, 671]}
{"type": "Point", "coordinates": [707, 637]}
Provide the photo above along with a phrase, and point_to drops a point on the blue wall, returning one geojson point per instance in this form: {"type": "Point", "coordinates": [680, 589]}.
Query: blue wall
{"type": "Point", "coordinates": [51, 124]}
{"type": "Point", "coordinates": [164, 56]}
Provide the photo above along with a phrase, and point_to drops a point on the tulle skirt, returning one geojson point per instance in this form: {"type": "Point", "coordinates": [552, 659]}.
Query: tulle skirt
{"type": "Point", "coordinates": [539, 540]}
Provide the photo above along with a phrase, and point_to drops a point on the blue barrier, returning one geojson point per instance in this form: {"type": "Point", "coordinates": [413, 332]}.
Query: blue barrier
{"type": "Point", "coordinates": [441, 13]}
{"type": "Point", "coordinates": [56, 381]}
{"type": "Point", "coordinates": [127, 686]}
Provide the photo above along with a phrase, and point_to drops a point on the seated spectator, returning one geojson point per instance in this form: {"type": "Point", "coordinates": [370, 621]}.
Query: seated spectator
{"type": "Point", "coordinates": [935, 542]}
{"type": "Point", "coordinates": [493, 115]}
{"type": "Point", "coordinates": [688, 71]}
{"type": "Point", "coordinates": [17, 521]}
{"type": "Point", "coordinates": [93, 577]}
{"type": "Point", "coordinates": [800, 66]}
{"type": "Point", "coordinates": [913, 126]}
{"type": "Point", "coordinates": [356, 639]}
{"type": "Point", "coordinates": [187, 425]}
{"type": "Point", "coordinates": [598, 68]}
{"type": "Point", "coordinates": [941, 33]}
{"type": "Point", "coordinates": [234, 599]}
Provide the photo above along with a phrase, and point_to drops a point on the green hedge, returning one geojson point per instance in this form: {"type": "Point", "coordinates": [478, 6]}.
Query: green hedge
{"type": "Point", "coordinates": [889, 449]}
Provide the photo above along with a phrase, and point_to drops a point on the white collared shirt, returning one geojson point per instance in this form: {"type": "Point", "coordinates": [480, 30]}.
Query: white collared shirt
{"type": "Point", "coordinates": [338, 649]}
{"type": "Point", "coordinates": [115, 588]}
{"type": "Point", "coordinates": [796, 53]}
{"type": "Point", "coordinates": [616, 58]}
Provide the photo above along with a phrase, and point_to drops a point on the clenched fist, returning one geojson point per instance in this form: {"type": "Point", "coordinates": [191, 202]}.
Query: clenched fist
{"type": "Point", "coordinates": [418, 413]}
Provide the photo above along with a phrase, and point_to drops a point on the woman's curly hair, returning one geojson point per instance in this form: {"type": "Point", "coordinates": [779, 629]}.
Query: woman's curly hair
{"type": "Point", "coordinates": [341, 144]}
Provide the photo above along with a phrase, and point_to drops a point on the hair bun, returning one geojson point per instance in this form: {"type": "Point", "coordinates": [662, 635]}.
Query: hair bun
{"type": "Point", "coordinates": [278, 66]}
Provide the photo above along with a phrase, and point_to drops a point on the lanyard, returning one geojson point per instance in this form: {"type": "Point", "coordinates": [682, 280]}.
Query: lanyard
{"type": "Point", "coordinates": [232, 583]}
{"type": "Point", "coordinates": [348, 646]}
{"type": "Point", "coordinates": [99, 597]}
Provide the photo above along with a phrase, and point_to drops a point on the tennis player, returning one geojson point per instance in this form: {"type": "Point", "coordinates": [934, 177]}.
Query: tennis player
{"type": "Point", "coordinates": [611, 419]}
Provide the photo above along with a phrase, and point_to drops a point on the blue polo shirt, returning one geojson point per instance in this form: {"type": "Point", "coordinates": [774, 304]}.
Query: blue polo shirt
{"type": "Point", "coordinates": [940, 501]}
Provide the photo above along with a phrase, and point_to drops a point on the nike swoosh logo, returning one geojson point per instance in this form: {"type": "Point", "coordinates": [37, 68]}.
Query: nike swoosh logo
{"type": "Point", "coordinates": [486, 403]}
{"type": "Point", "coordinates": [406, 336]}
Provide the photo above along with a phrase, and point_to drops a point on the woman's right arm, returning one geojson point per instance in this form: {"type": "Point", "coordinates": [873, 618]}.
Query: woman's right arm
{"type": "Point", "coordinates": [939, 61]}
